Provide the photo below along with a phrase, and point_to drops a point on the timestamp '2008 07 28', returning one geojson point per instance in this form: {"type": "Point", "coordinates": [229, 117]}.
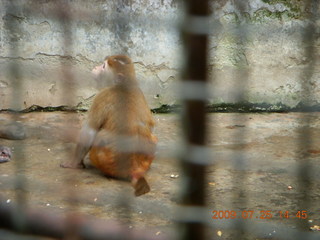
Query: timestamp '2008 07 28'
{"type": "Point", "coordinates": [261, 214]}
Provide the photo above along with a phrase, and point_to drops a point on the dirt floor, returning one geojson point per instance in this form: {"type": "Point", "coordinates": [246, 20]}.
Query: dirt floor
{"type": "Point", "coordinates": [261, 164]}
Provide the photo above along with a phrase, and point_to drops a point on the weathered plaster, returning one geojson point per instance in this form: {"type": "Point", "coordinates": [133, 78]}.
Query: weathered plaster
{"type": "Point", "coordinates": [261, 40]}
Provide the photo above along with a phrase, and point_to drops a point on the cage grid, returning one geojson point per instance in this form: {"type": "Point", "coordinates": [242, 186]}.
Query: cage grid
{"type": "Point", "coordinates": [192, 215]}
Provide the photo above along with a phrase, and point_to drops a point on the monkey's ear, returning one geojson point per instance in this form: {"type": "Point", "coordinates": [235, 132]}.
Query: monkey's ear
{"type": "Point", "coordinates": [110, 62]}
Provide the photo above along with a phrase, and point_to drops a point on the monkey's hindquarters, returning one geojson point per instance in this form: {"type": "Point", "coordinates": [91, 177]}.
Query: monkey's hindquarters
{"type": "Point", "coordinates": [120, 165]}
{"type": "Point", "coordinates": [131, 166]}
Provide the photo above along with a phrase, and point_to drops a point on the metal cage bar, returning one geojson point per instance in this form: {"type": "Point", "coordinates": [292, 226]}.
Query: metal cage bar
{"type": "Point", "coordinates": [192, 215]}
{"type": "Point", "coordinates": [194, 116]}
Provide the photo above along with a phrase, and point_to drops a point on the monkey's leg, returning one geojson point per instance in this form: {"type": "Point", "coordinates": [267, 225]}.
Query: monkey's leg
{"type": "Point", "coordinates": [87, 136]}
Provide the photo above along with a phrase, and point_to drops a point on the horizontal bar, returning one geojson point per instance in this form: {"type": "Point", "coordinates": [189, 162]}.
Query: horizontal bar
{"type": "Point", "coordinates": [192, 214]}
{"type": "Point", "coordinates": [195, 154]}
{"type": "Point", "coordinates": [198, 25]}
{"type": "Point", "coordinates": [194, 90]}
{"type": "Point", "coordinates": [44, 223]}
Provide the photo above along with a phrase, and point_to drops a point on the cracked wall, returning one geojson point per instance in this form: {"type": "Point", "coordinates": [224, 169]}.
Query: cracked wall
{"type": "Point", "coordinates": [259, 40]}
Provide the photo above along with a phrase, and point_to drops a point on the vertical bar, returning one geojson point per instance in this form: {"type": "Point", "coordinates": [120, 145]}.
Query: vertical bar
{"type": "Point", "coordinates": [62, 13]}
{"type": "Point", "coordinates": [121, 28]}
{"type": "Point", "coordinates": [15, 75]}
{"type": "Point", "coordinates": [241, 76]}
{"type": "Point", "coordinates": [304, 132]}
{"type": "Point", "coordinates": [195, 73]}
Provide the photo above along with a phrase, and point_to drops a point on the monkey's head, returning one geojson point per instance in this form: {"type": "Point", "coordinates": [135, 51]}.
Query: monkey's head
{"type": "Point", "coordinates": [119, 68]}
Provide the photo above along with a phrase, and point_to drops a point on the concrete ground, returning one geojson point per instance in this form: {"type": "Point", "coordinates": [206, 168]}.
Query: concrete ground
{"type": "Point", "coordinates": [259, 168]}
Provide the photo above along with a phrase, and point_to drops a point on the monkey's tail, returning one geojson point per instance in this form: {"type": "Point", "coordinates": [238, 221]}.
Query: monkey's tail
{"type": "Point", "coordinates": [140, 186]}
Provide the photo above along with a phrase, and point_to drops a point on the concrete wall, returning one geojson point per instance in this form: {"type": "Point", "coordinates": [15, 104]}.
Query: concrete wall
{"type": "Point", "coordinates": [264, 42]}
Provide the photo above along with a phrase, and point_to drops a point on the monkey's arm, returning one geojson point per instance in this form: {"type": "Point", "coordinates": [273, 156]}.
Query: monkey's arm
{"type": "Point", "coordinates": [87, 136]}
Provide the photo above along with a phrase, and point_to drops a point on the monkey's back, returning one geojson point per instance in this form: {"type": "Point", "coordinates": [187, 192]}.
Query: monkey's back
{"type": "Point", "coordinates": [124, 146]}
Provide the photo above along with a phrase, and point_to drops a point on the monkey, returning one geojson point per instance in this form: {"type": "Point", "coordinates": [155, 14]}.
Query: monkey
{"type": "Point", "coordinates": [118, 131]}
{"type": "Point", "coordinates": [5, 154]}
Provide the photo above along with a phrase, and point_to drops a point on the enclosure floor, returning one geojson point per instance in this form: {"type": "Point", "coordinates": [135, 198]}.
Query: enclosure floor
{"type": "Point", "coordinates": [255, 167]}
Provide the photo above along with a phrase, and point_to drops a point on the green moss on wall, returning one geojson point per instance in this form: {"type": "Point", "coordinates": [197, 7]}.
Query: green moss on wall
{"type": "Point", "coordinates": [295, 9]}
{"type": "Point", "coordinates": [264, 14]}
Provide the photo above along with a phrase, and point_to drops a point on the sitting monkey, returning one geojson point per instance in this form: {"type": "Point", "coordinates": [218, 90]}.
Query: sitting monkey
{"type": "Point", "coordinates": [118, 131]}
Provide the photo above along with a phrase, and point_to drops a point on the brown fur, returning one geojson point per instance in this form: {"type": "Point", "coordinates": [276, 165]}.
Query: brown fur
{"type": "Point", "coordinates": [118, 113]}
